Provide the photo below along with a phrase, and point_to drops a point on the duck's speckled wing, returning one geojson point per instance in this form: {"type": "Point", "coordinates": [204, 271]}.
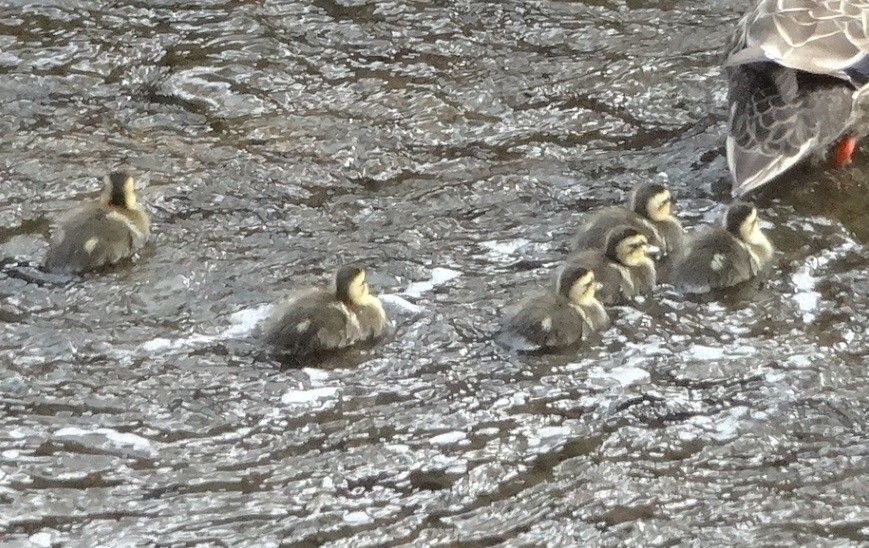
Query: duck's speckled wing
{"type": "Point", "coordinates": [543, 320]}
{"type": "Point", "coordinates": [595, 227]}
{"type": "Point", "coordinates": [828, 37]}
{"type": "Point", "coordinates": [796, 70]}
{"type": "Point", "coordinates": [93, 237]}
{"type": "Point", "coordinates": [714, 260]}
{"type": "Point", "coordinates": [312, 322]}
{"type": "Point", "coordinates": [778, 116]}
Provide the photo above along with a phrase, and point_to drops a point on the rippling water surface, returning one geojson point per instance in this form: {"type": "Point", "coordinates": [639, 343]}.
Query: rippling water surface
{"type": "Point", "coordinates": [453, 147]}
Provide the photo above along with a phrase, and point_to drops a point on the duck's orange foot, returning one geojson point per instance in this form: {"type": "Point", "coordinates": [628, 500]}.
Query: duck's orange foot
{"type": "Point", "coordinates": [844, 152]}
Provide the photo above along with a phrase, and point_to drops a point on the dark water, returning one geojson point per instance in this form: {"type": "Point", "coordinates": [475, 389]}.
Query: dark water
{"type": "Point", "coordinates": [452, 146]}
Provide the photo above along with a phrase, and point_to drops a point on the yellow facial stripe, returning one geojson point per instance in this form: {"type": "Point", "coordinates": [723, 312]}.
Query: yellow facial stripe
{"type": "Point", "coordinates": [665, 197]}
{"type": "Point", "coordinates": [587, 278]}
{"type": "Point", "coordinates": [657, 201]}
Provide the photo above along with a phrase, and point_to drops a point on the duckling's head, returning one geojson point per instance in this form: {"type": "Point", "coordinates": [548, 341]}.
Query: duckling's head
{"type": "Point", "coordinates": [741, 221]}
{"type": "Point", "coordinates": [577, 284]}
{"type": "Point", "coordinates": [350, 285]}
{"type": "Point", "coordinates": [653, 201]}
{"type": "Point", "coordinates": [120, 190]}
{"type": "Point", "coordinates": [628, 246]}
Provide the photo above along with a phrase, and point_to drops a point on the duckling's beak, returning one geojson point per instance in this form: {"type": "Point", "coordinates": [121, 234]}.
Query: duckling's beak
{"type": "Point", "coordinates": [653, 251]}
{"type": "Point", "coordinates": [598, 286]}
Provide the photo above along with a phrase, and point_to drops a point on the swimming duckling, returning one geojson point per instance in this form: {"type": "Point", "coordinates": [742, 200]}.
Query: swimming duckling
{"type": "Point", "coordinates": [623, 267]}
{"type": "Point", "coordinates": [330, 318]}
{"type": "Point", "coordinates": [650, 211]}
{"type": "Point", "coordinates": [721, 257]}
{"type": "Point", "coordinates": [100, 233]}
{"type": "Point", "coordinates": [561, 318]}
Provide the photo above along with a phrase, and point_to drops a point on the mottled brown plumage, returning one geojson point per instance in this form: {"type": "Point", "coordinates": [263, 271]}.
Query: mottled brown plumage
{"type": "Point", "coordinates": [725, 256]}
{"type": "Point", "coordinates": [649, 211]}
{"type": "Point", "coordinates": [798, 73]}
{"type": "Point", "coordinates": [325, 319]}
{"type": "Point", "coordinates": [556, 318]}
{"type": "Point", "coordinates": [100, 233]}
{"type": "Point", "coordinates": [623, 267]}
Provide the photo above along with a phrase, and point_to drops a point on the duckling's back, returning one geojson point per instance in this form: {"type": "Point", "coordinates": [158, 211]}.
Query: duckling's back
{"type": "Point", "coordinates": [543, 320]}
{"type": "Point", "coordinates": [593, 232]}
{"type": "Point", "coordinates": [95, 236]}
{"type": "Point", "coordinates": [313, 322]}
{"type": "Point", "coordinates": [714, 259]}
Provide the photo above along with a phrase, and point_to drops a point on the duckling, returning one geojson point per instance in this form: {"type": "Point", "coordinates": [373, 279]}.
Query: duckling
{"type": "Point", "coordinates": [100, 233]}
{"type": "Point", "coordinates": [332, 318]}
{"type": "Point", "coordinates": [725, 256]}
{"type": "Point", "coordinates": [650, 211]}
{"type": "Point", "coordinates": [559, 318]}
{"type": "Point", "coordinates": [623, 266]}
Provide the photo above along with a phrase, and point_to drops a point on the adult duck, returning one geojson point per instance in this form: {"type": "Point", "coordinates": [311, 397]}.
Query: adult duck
{"type": "Point", "coordinates": [798, 74]}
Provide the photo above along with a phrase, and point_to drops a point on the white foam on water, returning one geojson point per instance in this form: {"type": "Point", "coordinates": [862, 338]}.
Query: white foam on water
{"type": "Point", "coordinates": [702, 352]}
{"type": "Point", "coordinates": [115, 438]}
{"type": "Point", "coordinates": [397, 447]}
{"type": "Point", "coordinates": [357, 518]}
{"type": "Point", "coordinates": [316, 376]}
{"type": "Point", "coordinates": [448, 464]}
{"type": "Point", "coordinates": [799, 360]}
{"type": "Point", "coordinates": [448, 438]}
{"type": "Point", "coordinates": [400, 303]}
{"type": "Point", "coordinates": [806, 297]}
{"type": "Point", "coordinates": [164, 345]}
{"type": "Point", "coordinates": [515, 399]}
{"type": "Point", "coordinates": [157, 345]}
{"type": "Point", "coordinates": [310, 395]}
{"type": "Point", "coordinates": [627, 376]}
{"type": "Point", "coordinates": [244, 321]}
{"type": "Point", "coordinates": [439, 276]}
{"type": "Point", "coordinates": [553, 432]}
{"type": "Point", "coordinates": [501, 249]}
{"type": "Point", "coordinates": [623, 375]}
{"type": "Point", "coordinates": [721, 427]}
{"type": "Point", "coordinates": [805, 281]}
{"type": "Point", "coordinates": [40, 539]}
{"type": "Point", "coordinates": [125, 438]}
